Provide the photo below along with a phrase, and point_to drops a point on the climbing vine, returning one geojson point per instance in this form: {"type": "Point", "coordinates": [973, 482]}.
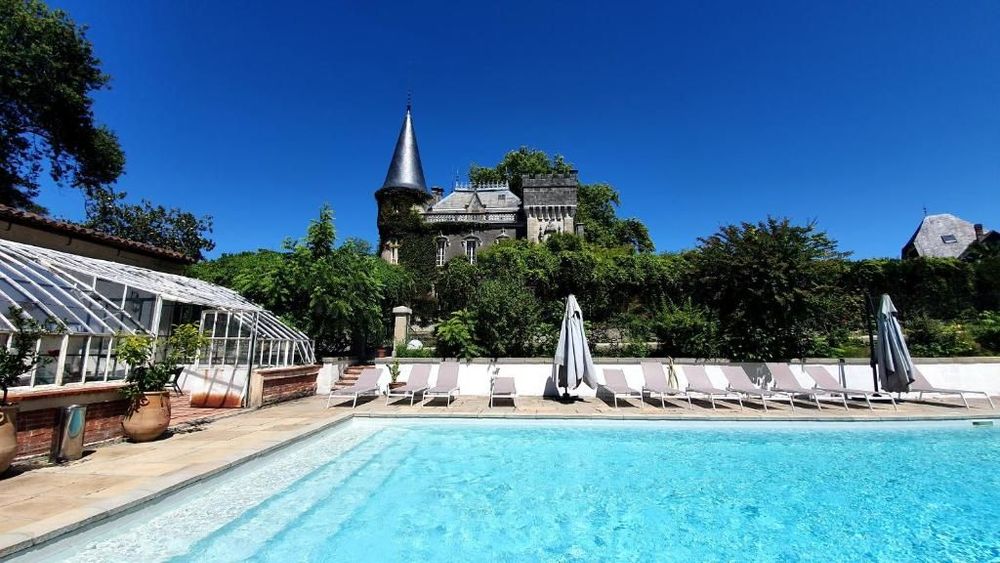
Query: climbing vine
{"type": "Point", "coordinates": [399, 220]}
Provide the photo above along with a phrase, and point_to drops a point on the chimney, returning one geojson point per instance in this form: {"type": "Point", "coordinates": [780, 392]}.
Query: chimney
{"type": "Point", "coordinates": [438, 193]}
{"type": "Point", "coordinates": [979, 232]}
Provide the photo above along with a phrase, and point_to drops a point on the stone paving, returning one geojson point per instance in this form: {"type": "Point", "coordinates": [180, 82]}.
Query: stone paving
{"type": "Point", "coordinates": [182, 412]}
{"type": "Point", "coordinates": [42, 503]}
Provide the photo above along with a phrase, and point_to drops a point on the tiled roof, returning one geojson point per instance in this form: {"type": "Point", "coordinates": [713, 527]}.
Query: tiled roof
{"type": "Point", "coordinates": [30, 219]}
{"type": "Point", "coordinates": [943, 236]}
{"type": "Point", "coordinates": [463, 199]}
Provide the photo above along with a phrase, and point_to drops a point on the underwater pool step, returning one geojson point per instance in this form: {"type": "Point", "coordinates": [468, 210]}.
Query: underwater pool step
{"type": "Point", "coordinates": [249, 534]}
{"type": "Point", "coordinates": [203, 514]}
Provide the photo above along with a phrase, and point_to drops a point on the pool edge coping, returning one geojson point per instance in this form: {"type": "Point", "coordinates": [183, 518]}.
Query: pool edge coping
{"type": "Point", "coordinates": [14, 542]}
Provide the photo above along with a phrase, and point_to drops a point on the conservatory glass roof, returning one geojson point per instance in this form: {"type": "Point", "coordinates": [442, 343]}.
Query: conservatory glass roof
{"type": "Point", "coordinates": [89, 296]}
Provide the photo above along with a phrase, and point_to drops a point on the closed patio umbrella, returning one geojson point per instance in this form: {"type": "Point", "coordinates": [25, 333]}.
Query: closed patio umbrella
{"type": "Point", "coordinates": [573, 363]}
{"type": "Point", "coordinates": [894, 363]}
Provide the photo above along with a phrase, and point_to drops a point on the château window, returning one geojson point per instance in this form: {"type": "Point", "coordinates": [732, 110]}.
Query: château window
{"type": "Point", "coordinates": [470, 250]}
{"type": "Point", "coordinates": [392, 256]}
{"type": "Point", "coordinates": [949, 239]}
{"type": "Point", "coordinates": [442, 243]}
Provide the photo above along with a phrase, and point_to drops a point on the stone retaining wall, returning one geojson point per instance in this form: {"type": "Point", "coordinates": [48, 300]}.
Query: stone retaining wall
{"type": "Point", "coordinates": [38, 416]}
{"type": "Point", "coordinates": [533, 376]}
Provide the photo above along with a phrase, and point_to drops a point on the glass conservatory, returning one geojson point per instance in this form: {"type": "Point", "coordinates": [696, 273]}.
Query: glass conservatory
{"type": "Point", "coordinates": [86, 302]}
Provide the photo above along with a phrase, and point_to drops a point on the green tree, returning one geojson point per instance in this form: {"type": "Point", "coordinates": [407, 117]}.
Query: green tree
{"type": "Point", "coordinates": [48, 73]}
{"type": "Point", "coordinates": [173, 228]}
{"type": "Point", "coordinates": [340, 296]}
{"type": "Point", "coordinates": [508, 320]}
{"type": "Point", "coordinates": [517, 162]}
{"type": "Point", "coordinates": [456, 286]}
{"type": "Point", "coordinates": [773, 285]}
{"type": "Point", "coordinates": [596, 211]}
{"type": "Point", "coordinates": [256, 275]}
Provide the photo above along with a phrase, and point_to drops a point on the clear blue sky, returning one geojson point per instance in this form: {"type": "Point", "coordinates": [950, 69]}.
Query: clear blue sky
{"type": "Point", "coordinates": [701, 114]}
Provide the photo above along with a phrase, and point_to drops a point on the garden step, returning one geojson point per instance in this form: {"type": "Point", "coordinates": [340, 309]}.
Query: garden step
{"type": "Point", "coordinates": [350, 375]}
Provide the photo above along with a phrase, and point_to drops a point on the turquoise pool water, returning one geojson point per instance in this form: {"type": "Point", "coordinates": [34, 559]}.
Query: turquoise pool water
{"type": "Point", "coordinates": [509, 491]}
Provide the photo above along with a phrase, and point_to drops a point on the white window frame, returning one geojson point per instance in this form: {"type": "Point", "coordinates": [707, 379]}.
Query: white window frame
{"type": "Point", "coordinates": [441, 251]}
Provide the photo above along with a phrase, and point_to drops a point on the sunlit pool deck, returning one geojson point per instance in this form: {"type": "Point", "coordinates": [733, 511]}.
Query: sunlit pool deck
{"type": "Point", "coordinates": [45, 502]}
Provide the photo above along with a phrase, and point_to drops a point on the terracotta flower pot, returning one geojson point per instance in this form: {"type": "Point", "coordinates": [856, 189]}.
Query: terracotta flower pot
{"type": "Point", "coordinates": [396, 384]}
{"type": "Point", "coordinates": [8, 436]}
{"type": "Point", "coordinates": [150, 419]}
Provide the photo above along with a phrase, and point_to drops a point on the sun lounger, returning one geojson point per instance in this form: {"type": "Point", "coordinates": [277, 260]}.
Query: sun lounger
{"type": "Point", "coordinates": [655, 383]}
{"type": "Point", "coordinates": [503, 387]}
{"type": "Point", "coordinates": [740, 383]}
{"type": "Point", "coordinates": [786, 382]}
{"type": "Point", "coordinates": [415, 383]}
{"type": "Point", "coordinates": [827, 383]}
{"type": "Point", "coordinates": [614, 382]}
{"type": "Point", "coordinates": [367, 384]}
{"type": "Point", "coordinates": [446, 384]}
{"type": "Point", "coordinates": [921, 386]}
{"type": "Point", "coordinates": [698, 382]}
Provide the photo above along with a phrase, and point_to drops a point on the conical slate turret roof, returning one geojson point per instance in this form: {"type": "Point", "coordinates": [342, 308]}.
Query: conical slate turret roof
{"type": "Point", "coordinates": [405, 170]}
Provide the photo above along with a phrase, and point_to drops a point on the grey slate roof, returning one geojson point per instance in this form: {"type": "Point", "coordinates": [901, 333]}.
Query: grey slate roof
{"type": "Point", "coordinates": [931, 238]}
{"type": "Point", "coordinates": [475, 199]}
{"type": "Point", "coordinates": [405, 169]}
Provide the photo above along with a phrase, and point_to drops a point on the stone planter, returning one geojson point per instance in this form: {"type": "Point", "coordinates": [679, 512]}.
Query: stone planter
{"type": "Point", "coordinates": [150, 419]}
{"type": "Point", "coordinates": [8, 436]}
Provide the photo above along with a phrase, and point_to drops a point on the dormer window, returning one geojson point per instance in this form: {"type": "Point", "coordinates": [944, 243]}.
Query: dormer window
{"type": "Point", "coordinates": [502, 198]}
{"type": "Point", "coordinates": [949, 239]}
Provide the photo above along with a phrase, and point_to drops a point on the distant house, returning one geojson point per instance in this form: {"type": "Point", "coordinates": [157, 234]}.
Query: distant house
{"type": "Point", "coordinates": [945, 236]}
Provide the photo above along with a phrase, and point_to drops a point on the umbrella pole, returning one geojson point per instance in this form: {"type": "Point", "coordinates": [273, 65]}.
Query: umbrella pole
{"type": "Point", "coordinates": [869, 317]}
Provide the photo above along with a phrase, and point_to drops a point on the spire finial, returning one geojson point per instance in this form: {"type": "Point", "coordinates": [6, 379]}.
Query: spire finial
{"type": "Point", "coordinates": [409, 99]}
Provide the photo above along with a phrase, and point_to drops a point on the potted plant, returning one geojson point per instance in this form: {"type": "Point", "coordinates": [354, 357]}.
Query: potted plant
{"type": "Point", "coordinates": [148, 414]}
{"type": "Point", "coordinates": [19, 358]}
{"type": "Point", "coordinates": [394, 375]}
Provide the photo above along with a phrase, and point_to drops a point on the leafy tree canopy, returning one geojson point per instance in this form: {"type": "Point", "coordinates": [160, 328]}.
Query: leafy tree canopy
{"type": "Point", "coordinates": [341, 296]}
{"type": "Point", "coordinates": [48, 72]}
{"type": "Point", "coordinates": [173, 228]}
{"type": "Point", "coordinates": [774, 287]}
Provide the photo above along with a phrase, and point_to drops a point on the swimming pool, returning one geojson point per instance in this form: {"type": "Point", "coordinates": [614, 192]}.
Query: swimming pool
{"type": "Point", "coordinates": [453, 490]}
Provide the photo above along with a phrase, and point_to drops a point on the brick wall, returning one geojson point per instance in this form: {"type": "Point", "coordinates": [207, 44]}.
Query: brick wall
{"type": "Point", "coordinates": [35, 429]}
{"type": "Point", "coordinates": [269, 386]}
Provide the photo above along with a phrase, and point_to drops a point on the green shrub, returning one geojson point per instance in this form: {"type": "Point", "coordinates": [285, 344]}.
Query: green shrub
{"type": "Point", "coordinates": [455, 336]}
{"type": "Point", "coordinates": [507, 320]}
{"type": "Point", "coordinates": [986, 331]}
{"type": "Point", "coordinates": [931, 338]}
{"type": "Point", "coordinates": [687, 331]}
{"type": "Point", "coordinates": [403, 352]}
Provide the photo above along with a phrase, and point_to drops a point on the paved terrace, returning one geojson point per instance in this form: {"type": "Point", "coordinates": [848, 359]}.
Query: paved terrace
{"type": "Point", "coordinates": [45, 502]}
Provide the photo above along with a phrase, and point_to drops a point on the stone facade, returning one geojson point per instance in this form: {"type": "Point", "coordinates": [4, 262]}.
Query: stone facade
{"type": "Point", "coordinates": [549, 205]}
